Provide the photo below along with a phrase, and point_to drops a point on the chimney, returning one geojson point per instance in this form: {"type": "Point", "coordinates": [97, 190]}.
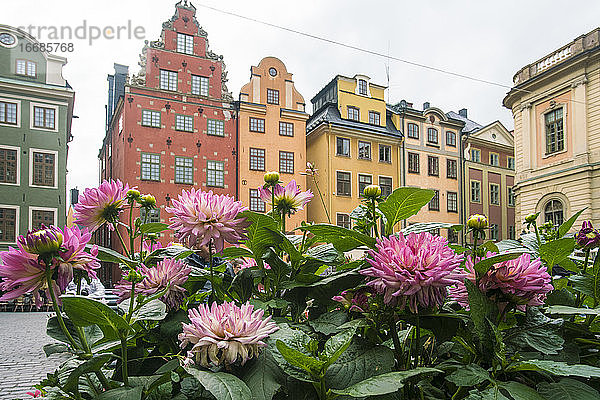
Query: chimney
{"type": "Point", "coordinates": [74, 196]}
{"type": "Point", "coordinates": [463, 112]}
{"type": "Point", "coordinates": [425, 105]}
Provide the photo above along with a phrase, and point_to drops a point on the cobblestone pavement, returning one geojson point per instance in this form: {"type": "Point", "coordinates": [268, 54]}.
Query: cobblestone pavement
{"type": "Point", "coordinates": [22, 359]}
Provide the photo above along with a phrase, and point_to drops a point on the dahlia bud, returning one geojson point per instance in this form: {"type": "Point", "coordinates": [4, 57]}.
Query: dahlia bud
{"type": "Point", "coordinates": [477, 222]}
{"type": "Point", "coordinates": [133, 194]}
{"type": "Point", "coordinates": [43, 241]}
{"type": "Point", "coordinates": [372, 192]}
{"type": "Point", "coordinates": [531, 218]}
{"type": "Point", "coordinates": [272, 178]}
{"type": "Point", "coordinates": [134, 276]}
{"type": "Point", "coordinates": [147, 201]}
{"type": "Point", "coordinates": [587, 238]}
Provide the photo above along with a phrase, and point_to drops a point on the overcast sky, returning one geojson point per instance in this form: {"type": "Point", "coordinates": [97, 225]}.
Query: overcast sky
{"type": "Point", "coordinates": [489, 40]}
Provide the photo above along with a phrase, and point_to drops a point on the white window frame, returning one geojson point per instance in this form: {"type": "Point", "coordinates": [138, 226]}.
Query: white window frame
{"type": "Point", "coordinates": [152, 113]}
{"type": "Point", "coordinates": [56, 161]}
{"type": "Point", "coordinates": [203, 85]}
{"type": "Point", "coordinates": [478, 152]}
{"type": "Point", "coordinates": [185, 42]}
{"type": "Point", "coordinates": [385, 176]}
{"type": "Point", "coordinates": [337, 214]}
{"type": "Point", "coordinates": [44, 105]}
{"type": "Point", "coordinates": [480, 200]}
{"type": "Point", "coordinates": [18, 103]}
{"type": "Point", "coordinates": [358, 182]}
{"type": "Point", "coordinates": [336, 183]}
{"type": "Point", "coordinates": [221, 171]}
{"type": "Point", "coordinates": [32, 208]}
{"type": "Point", "coordinates": [17, 218]}
{"type": "Point", "coordinates": [168, 81]}
{"type": "Point", "coordinates": [18, 149]}
{"type": "Point", "coordinates": [184, 123]}
{"type": "Point", "coordinates": [498, 194]}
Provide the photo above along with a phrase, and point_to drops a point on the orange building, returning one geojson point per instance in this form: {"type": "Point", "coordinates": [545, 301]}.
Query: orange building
{"type": "Point", "coordinates": [271, 133]}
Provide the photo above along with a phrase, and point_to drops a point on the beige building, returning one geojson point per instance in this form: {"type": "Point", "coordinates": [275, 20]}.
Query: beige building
{"type": "Point", "coordinates": [271, 133]}
{"type": "Point", "coordinates": [556, 108]}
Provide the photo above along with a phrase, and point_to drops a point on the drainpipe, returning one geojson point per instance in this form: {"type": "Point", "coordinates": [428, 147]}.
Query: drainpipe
{"type": "Point", "coordinates": [461, 192]}
{"type": "Point", "coordinates": [403, 158]}
{"type": "Point", "coordinates": [236, 115]}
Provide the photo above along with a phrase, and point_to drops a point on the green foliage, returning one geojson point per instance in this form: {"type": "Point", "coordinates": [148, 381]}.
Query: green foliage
{"type": "Point", "coordinates": [469, 375]}
{"type": "Point", "coordinates": [403, 203]}
{"type": "Point", "coordinates": [383, 384]}
{"type": "Point", "coordinates": [222, 385]}
{"type": "Point", "coordinates": [567, 389]}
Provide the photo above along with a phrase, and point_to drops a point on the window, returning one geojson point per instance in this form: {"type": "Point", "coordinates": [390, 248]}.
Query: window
{"type": "Point", "coordinates": [510, 162]}
{"type": "Point", "coordinates": [41, 217]}
{"type": "Point", "coordinates": [8, 113]}
{"type": "Point", "coordinates": [286, 129]}
{"type": "Point", "coordinates": [153, 215]}
{"type": "Point", "coordinates": [385, 153]}
{"type": "Point", "coordinates": [199, 85]}
{"type": "Point", "coordinates": [432, 135]}
{"type": "Point", "coordinates": [363, 182]}
{"type": "Point", "coordinates": [494, 194]}
{"type": "Point", "coordinates": [184, 170]}
{"type": "Point", "coordinates": [257, 159]}
{"type": "Point", "coordinates": [353, 113]}
{"type": "Point", "coordinates": [451, 172]}
{"type": "Point", "coordinates": [475, 155]}
{"type": "Point", "coordinates": [433, 166]}
{"type": "Point", "coordinates": [8, 166]}
{"type": "Point", "coordinates": [8, 225]}
{"type": "Point", "coordinates": [553, 212]}
{"type": "Point", "coordinates": [475, 191]}
{"type": "Point", "coordinates": [413, 131]}
{"type": "Point", "coordinates": [151, 118]}
{"type": "Point", "coordinates": [43, 169]}
{"type": "Point", "coordinates": [256, 203]}
{"type": "Point", "coordinates": [374, 118]}
{"type": "Point", "coordinates": [452, 236]}
{"type": "Point", "coordinates": [494, 231]}
{"type": "Point", "coordinates": [168, 80]}
{"type": "Point", "coordinates": [452, 201]}
{"type": "Point", "coordinates": [511, 197]}
{"type": "Point", "coordinates": [44, 117]}
{"type": "Point", "coordinates": [451, 138]}
{"type": "Point", "coordinates": [494, 159]}
{"type": "Point", "coordinates": [511, 232]}
{"type": "Point", "coordinates": [434, 203]}
{"type": "Point", "coordinates": [362, 87]}
{"type": "Point", "coordinates": [385, 183]}
{"type": "Point", "coordinates": [27, 68]}
{"type": "Point", "coordinates": [215, 127]}
{"type": "Point", "coordinates": [257, 125]}
{"type": "Point", "coordinates": [185, 43]}
{"type": "Point", "coordinates": [343, 220]}
{"type": "Point", "coordinates": [150, 167]}
{"type": "Point", "coordinates": [414, 166]}
{"type": "Point", "coordinates": [555, 136]}
{"type": "Point", "coordinates": [184, 123]}
{"type": "Point", "coordinates": [364, 150]}
{"type": "Point", "coordinates": [342, 147]}
{"type": "Point", "coordinates": [343, 184]}
{"type": "Point", "coordinates": [215, 173]}
{"type": "Point", "coordinates": [286, 162]}
{"type": "Point", "coordinates": [272, 96]}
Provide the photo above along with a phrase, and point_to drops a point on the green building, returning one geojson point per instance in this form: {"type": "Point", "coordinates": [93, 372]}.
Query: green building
{"type": "Point", "coordinates": [36, 109]}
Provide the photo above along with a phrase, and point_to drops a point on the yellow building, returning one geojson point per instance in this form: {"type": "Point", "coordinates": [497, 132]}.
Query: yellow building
{"type": "Point", "coordinates": [352, 142]}
{"type": "Point", "coordinates": [271, 133]}
{"type": "Point", "coordinates": [432, 160]}
{"type": "Point", "coordinates": [556, 108]}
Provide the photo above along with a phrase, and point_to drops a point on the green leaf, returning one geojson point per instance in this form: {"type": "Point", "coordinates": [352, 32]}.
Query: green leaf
{"type": "Point", "coordinates": [336, 345]}
{"type": "Point", "coordinates": [262, 232]}
{"type": "Point", "coordinates": [556, 251]}
{"type": "Point", "coordinates": [518, 391]}
{"type": "Point", "coordinates": [300, 360]}
{"type": "Point", "coordinates": [483, 266]}
{"type": "Point", "coordinates": [222, 385]}
{"type": "Point", "coordinates": [429, 227]}
{"type": "Point", "coordinates": [342, 239]}
{"type": "Point", "coordinates": [491, 393]}
{"type": "Point", "coordinates": [168, 366]}
{"type": "Point", "coordinates": [154, 310]}
{"type": "Point", "coordinates": [91, 365]}
{"type": "Point", "coordinates": [357, 363]}
{"type": "Point", "coordinates": [83, 311]}
{"type": "Point", "coordinates": [383, 384]}
{"type": "Point", "coordinates": [153, 227]}
{"type": "Point", "coordinates": [538, 332]}
{"type": "Point", "coordinates": [564, 228]}
{"type": "Point", "coordinates": [325, 253]}
{"type": "Point", "coordinates": [402, 203]}
{"type": "Point", "coordinates": [122, 393]}
{"type": "Point", "coordinates": [55, 348]}
{"type": "Point", "coordinates": [565, 310]}
{"type": "Point", "coordinates": [329, 323]}
{"type": "Point", "coordinates": [295, 339]}
{"type": "Point", "coordinates": [482, 309]}
{"type": "Point", "coordinates": [567, 389]}
{"type": "Point", "coordinates": [557, 368]}
{"type": "Point", "coordinates": [263, 377]}
{"type": "Point", "coordinates": [468, 375]}
{"type": "Point", "coordinates": [175, 252]}
{"type": "Point", "coordinates": [111, 256]}
{"type": "Point", "coordinates": [236, 252]}
{"type": "Point", "coordinates": [243, 284]}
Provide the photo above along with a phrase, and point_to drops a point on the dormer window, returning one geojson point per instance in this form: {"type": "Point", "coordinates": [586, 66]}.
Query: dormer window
{"type": "Point", "coordinates": [362, 87]}
{"type": "Point", "coordinates": [185, 43]}
{"type": "Point", "coordinates": [27, 68]}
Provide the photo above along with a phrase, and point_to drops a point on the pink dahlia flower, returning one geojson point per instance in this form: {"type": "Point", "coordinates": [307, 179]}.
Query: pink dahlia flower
{"type": "Point", "coordinates": [169, 272]}
{"type": "Point", "coordinates": [150, 247]}
{"type": "Point", "coordinates": [73, 254]}
{"type": "Point", "coordinates": [100, 205]}
{"type": "Point", "coordinates": [251, 262]}
{"type": "Point", "coordinates": [22, 273]}
{"type": "Point", "coordinates": [288, 199]}
{"type": "Point", "coordinates": [416, 269]}
{"type": "Point", "coordinates": [225, 333]}
{"type": "Point", "coordinates": [355, 300]}
{"type": "Point", "coordinates": [41, 241]}
{"type": "Point", "coordinates": [521, 281]}
{"type": "Point", "coordinates": [202, 216]}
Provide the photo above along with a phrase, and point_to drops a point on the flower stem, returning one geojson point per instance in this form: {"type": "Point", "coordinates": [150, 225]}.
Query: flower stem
{"type": "Point", "coordinates": [395, 339]}
{"type": "Point", "coordinates": [321, 197]}
{"type": "Point", "coordinates": [59, 317]}
{"type": "Point", "coordinates": [125, 249]}
{"type": "Point", "coordinates": [212, 273]}
{"type": "Point", "coordinates": [124, 372]}
{"type": "Point", "coordinates": [131, 301]}
{"type": "Point", "coordinates": [374, 218]}
{"type": "Point", "coordinates": [130, 229]}
{"type": "Point", "coordinates": [283, 222]}
{"type": "Point", "coordinates": [578, 300]}
{"type": "Point", "coordinates": [537, 233]}
{"type": "Point", "coordinates": [418, 339]}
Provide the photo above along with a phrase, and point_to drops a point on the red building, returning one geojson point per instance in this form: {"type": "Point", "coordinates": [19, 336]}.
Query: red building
{"type": "Point", "coordinates": [172, 126]}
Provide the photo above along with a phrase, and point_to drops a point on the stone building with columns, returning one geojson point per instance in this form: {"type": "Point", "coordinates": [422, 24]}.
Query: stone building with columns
{"type": "Point", "coordinates": [555, 103]}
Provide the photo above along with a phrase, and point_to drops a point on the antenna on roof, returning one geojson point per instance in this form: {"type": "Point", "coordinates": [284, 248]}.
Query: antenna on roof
{"type": "Point", "coordinates": [387, 72]}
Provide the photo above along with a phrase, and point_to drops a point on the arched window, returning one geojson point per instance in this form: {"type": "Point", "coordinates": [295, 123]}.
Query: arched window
{"type": "Point", "coordinates": [554, 212]}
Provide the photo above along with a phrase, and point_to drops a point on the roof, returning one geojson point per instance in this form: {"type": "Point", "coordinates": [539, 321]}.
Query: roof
{"type": "Point", "coordinates": [330, 114]}
{"type": "Point", "coordinates": [470, 125]}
